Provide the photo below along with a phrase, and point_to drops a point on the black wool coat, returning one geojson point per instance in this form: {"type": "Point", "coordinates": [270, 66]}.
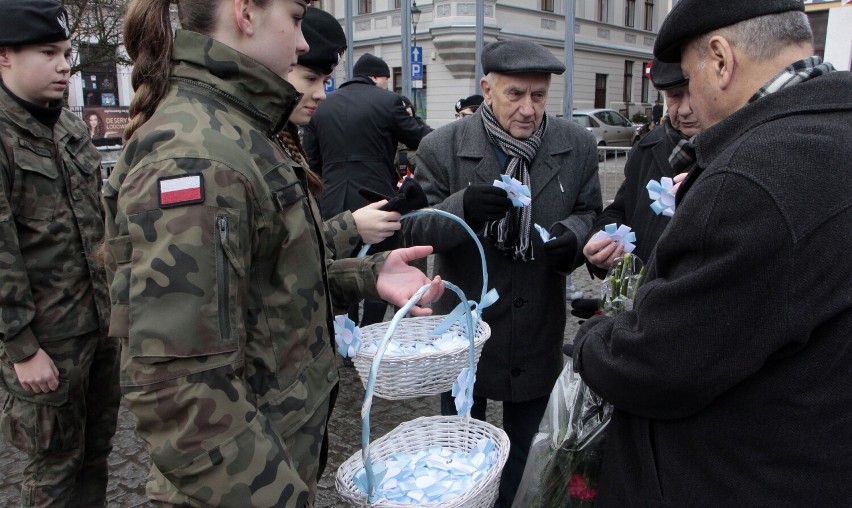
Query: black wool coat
{"type": "Point", "coordinates": [732, 376]}
{"type": "Point", "coordinates": [648, 160]}
{"type": "Point", "coordinates": [352, 141]}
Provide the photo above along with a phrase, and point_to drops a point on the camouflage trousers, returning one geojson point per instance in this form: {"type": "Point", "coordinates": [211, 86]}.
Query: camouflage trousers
{"type": "Point", "coordinates": [66, 434]}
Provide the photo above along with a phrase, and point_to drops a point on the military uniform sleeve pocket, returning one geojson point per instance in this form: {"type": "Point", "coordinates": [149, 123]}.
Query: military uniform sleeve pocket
{"type": "Point", "coordinates": [185, 282]}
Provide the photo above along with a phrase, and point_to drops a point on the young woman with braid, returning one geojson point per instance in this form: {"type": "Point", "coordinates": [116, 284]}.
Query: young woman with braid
{"type": "Point", "coordinates": [221, 274]}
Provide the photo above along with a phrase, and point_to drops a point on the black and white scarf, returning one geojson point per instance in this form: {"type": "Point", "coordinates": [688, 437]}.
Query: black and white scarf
{"type": "Point", "coordinates": [683, 154]}
{"type": "Point", "coordinates": [512, 233]}
{"type": "Point", "coordinates": [793, 74]}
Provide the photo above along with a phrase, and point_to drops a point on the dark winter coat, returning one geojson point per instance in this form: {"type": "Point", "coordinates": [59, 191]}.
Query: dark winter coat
{"type": "Point", "coordinates": [732, 375]}
{"type": "Point", "coordinates": [523, 357]}
{"type": "Point", "coordinates": [649, 160]}
{"type": "Point", "coordinates": [352, 141]}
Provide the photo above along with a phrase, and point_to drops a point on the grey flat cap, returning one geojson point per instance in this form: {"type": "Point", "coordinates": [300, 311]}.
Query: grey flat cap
{"type": "Point", "coordinates": [691, 18]}
{"type": "Point", "coordinates": [666, 75]}
{"type": "Point", "coordinates": [517, 56]}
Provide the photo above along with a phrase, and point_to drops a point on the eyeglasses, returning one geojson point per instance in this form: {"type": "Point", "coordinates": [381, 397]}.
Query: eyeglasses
{"type": "Point", "coordinates": [463, 114]}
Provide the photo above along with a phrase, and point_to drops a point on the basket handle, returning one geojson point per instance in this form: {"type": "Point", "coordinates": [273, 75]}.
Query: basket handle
{"type": "Point", "coordinates": [486, 297]}
{"type": "Point", "coordinates": [374, 369]}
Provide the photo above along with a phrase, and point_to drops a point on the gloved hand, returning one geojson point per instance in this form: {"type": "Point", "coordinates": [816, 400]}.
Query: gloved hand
{"type": "Point", "coordinates": [483, 203]}
{"type": "Point", "coordinates": [409, 198]}
{"type": "Point", "coordinates": [562, 250]}
{"type": "Point", "coordinates": [584, 308]}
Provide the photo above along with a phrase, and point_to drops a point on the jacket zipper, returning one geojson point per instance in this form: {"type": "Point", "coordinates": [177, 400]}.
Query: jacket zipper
{"type": "Point", "coordinates": [223, 279]}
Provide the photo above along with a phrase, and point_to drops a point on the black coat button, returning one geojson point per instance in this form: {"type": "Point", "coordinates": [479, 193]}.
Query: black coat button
{"type": "Point", "coordinates": [516, 372]}
{"type": "Point", "coordinates": [519, 302]}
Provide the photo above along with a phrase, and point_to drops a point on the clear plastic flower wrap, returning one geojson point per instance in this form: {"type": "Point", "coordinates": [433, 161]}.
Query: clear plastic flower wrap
{"type": "Point", "coordinates": [564, 464]}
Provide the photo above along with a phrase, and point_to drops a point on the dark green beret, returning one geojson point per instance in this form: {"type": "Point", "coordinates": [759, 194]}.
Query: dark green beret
{"type": "Point", "coordinates": [25, 22]}
{"type": "Point", "coordinates": [516, 56]}
{"type": "Point", "coordinates": [325, 38]}
{"type": "Point", "coordinates": [691, 18]}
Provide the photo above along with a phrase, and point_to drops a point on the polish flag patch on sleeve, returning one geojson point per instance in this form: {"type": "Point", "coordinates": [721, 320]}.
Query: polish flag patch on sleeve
{"type": "Point", "coordinates": [181, 190]}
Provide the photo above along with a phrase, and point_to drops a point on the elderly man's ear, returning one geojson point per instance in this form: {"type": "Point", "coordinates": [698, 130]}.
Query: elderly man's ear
{"type": "Point", "coordinates": [722, 59]}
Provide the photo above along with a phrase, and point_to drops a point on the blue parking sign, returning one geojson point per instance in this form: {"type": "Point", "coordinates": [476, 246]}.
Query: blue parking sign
{"type": "Point", "coordinates": [329, 85]}
{"type": "Point", "coordinates": [416, 71]}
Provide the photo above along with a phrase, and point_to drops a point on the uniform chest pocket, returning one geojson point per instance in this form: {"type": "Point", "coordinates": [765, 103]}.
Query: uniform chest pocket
{"type": "Point", "coordinates": [40, 189]}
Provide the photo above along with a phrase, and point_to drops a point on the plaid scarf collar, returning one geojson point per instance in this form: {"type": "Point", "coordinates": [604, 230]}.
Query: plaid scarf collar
{"type": "Point", "coordinates": [683, 154]}
{"type": "Point", "coordinates": [798, 72]}
{"type": "Point", "coordinates": [512, 232]}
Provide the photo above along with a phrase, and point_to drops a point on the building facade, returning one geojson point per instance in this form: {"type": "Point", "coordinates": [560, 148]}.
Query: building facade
{"type": "Point", "coordinates": [614, 42]}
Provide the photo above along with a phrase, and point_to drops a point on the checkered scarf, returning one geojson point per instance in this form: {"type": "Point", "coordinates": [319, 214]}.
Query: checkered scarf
{"type": "Point", "coordinates": [683, 154]}
{"type": "Point", "coordinates": [512, 233]}
{"type": "Point", "coordinates": [794, 74]}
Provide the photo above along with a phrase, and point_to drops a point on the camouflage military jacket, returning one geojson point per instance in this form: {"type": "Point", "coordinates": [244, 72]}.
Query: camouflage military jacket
{"type": "Point", "coordinates": [221, 283]}
{"type": "Point", "coordinates": [51, 225]}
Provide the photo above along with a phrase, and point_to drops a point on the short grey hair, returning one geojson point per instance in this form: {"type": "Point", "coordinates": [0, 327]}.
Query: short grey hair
{"type": "Point", "coordinates": [763, 37]}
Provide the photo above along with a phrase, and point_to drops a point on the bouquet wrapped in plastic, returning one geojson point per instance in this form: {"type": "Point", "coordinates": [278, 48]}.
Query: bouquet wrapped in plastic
{"type": "Point", "coordinates": [565, 459]}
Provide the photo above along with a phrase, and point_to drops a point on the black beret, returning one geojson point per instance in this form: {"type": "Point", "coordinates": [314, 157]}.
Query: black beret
{"type": "Point", "coordinates": [517, 56]}
{"type": "Point", "coordinates": [691, 18]}
{"type": "Point", "coordinates": [371, 65]}
{"type": "Point", "coordinates": [325, 37]}
{"type": "Point", "coordinates": [474, 101]}
{"type": "Point", "coordinates": [25, 22]}
{"type": "Point", "coordinates": [666, 75]}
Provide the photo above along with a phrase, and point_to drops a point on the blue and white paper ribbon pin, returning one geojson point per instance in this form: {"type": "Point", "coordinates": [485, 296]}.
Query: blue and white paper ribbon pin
{"type": "Point", "coordinates": [545, 235]}
{"type": "Point", "coordinates": [347, 336]}
{"type": "Point", "coordinates": [461, 392]}
{"type": "Point", "coordinates": [661, 193]}
{"type": "Point", "coordinates": [518, 192]}
{"type": "Point", "coordinates": [619, 234]}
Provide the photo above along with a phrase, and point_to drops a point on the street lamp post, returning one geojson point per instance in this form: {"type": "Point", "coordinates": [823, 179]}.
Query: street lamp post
{"type": "Point", "coordinates": [415, 17]}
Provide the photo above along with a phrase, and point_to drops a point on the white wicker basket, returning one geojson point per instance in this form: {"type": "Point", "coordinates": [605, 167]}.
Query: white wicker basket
{"type": "Point", "coordinates": [455, 432]}
{"type": "Point", "coordinates": [416, 375]}
{"type": "Point", "coordinates": [458, 433]}
{"type": "Point", "coordinates": [424, 373]}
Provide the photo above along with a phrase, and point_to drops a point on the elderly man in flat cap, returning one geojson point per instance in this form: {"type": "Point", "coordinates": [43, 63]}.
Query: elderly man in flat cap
{"type": "Point", "coordinates": [511, 134]}
{"type": "Point", "coordinates": [665, 152]}
{"type": "Point", "coordinates": [731, 377]}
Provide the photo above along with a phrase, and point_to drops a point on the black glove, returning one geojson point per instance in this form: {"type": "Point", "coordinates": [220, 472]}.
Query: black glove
{"type": "Point", "coordinates": [584, 308]}
{"type": "Point", "coordinates": [562, 250]}
{"type": "Point", "coordinates": [483, 203]}
{"type": "Point", "coordinates": [410, 197]}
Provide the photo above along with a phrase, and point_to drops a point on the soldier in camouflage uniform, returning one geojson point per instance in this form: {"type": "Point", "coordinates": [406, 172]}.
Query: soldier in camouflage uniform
{"type": "Point", "coordinates": [221, 277]}
{"type": "Point", "coordinates": [59, 369]}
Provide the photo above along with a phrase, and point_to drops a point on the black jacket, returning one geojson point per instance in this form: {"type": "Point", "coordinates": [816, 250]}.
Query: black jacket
{"type": "Point", "coordinates": [352, 140]}
{"type": "Point", "coordinates": [731, 377]}
{"type": "Point", "coordinates": [649, 160]}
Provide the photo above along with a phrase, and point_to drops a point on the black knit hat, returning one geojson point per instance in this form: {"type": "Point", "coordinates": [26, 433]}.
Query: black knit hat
{"type": "Point", "coordinates": [517, 56]}
{"type": "Point", "coordinates": [325, 37]}
{"type": "Point", "coordinates": [371, 65]}
{"type": "Point", "coordinates": [474, 101]}
{"type": "Point", "coordinates": [666, 75]}
{"type": "Point", "coordinates": [691, 18]}
{"type": "Point", "coordinates": [24, 22]}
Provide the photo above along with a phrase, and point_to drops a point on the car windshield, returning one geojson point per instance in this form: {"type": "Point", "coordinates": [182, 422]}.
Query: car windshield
{"type": "Point", "coordinates": [582, 120]}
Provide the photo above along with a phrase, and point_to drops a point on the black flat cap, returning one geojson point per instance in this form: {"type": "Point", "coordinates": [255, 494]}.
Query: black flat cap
{"type": "Point", "coordinates": [691, 18]}
{"type": "Point", "coordinates": [25, 22]}
{"type": "Point", "coordinates": [371, 65]}
{"type": "Point", "coordinates": [325, 37]}
{"type": "Point", "coordinates": [516, 56]}
{"type": "Point", "coordinates": [666, 75]}
{"type": "Point", "coordinates": [474, 101]}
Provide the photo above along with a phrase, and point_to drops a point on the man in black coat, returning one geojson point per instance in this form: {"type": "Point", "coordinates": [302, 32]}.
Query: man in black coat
{"type": "Point", "coordinates": [664, 152]}
{"type": "Point", "coordinates": [352, 141]}
{"type": "Point", "coordinates": [731, 377]}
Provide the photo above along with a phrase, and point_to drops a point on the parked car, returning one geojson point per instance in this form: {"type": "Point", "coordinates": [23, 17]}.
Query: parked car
{"type": "Point", "coordinates": [609, 127]}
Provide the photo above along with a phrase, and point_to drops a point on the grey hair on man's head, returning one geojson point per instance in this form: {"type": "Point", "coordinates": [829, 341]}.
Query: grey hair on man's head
{"type": "Point", "coordinates": [763, 37]}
